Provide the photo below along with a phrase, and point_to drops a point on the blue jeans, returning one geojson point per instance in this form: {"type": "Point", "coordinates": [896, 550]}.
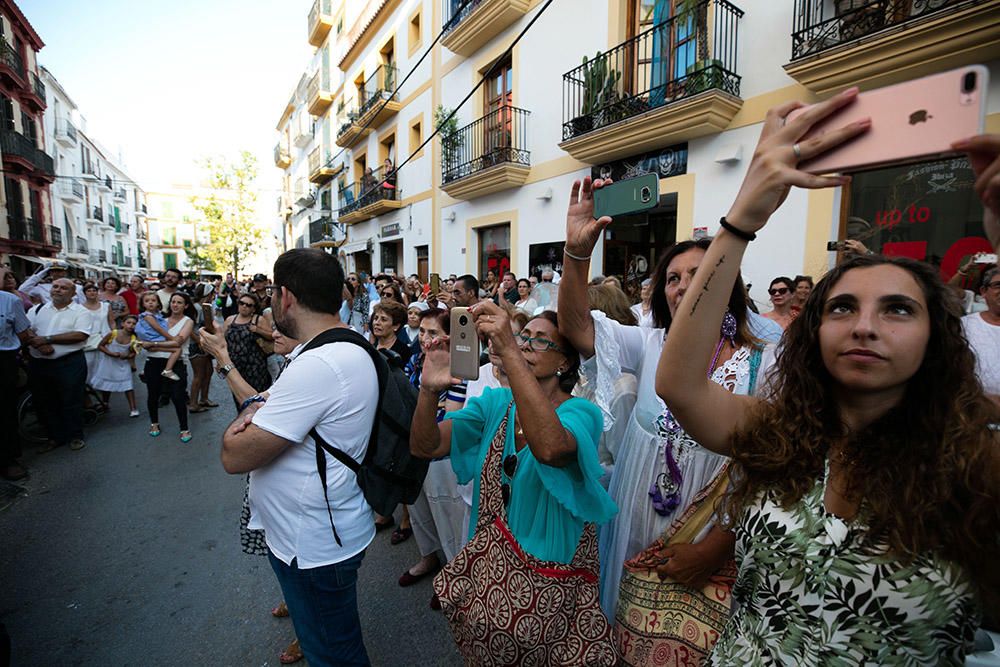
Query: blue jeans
{"type": "Point", "coordinates": [323, 604]}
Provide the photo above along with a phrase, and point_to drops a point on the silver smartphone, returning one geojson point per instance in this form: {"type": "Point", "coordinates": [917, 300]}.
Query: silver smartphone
{"type": "Point", "coordinates": [464, 345]}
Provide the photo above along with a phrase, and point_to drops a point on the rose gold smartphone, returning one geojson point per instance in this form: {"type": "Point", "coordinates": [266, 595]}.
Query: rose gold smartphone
{"type": "Point", "coordinates": [911, 121]}
{"type": "Point", "coordinates": [464, 345]}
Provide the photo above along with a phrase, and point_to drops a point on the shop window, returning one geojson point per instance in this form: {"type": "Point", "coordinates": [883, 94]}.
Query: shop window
{"type": "Point", "coordinates": [926, 211]}
{"type": "Point", "coordinates": [494, 249]}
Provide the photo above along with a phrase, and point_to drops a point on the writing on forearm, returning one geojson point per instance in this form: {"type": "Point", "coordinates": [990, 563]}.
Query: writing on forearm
{"type": "Point", "coordinates": [708, 282]}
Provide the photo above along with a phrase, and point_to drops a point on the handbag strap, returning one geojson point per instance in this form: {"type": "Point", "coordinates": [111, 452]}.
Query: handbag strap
{"type": "Point", "coordinates": [490, 497]}
{"type": "Point", "coordinates": [687, 526]}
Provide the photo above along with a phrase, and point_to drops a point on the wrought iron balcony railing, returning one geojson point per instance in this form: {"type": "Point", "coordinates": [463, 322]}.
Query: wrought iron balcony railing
{"type": "Point", "coordinates": [90, 169]}
{"type": "Point", "coordinates": [498, 137]}
{"type": "Point", "coordinates": [121, 194]}
{"type": "Point", "coordinates": [141, 261]}
{"type": "Point", "coordinates": [686, 54]}
{"type": "Point", "coordinates": [10, 57]}
{"type": "Point", "coordinates": [126, 261]}
{"type": "Point", "coordinates": [320, 230]}
{"type": "Point", "coordinates": [373, 187]}
{"type": "Point", "coordinates": [379, 86]}
{"type": "Point", "coordinates": [38, 87]}
{"type": "Point", "coordinates": [98, 214]}
{"type": "Point", "coordinates": [456, 11]}
{"type": "Point", "coordinates": [15, 143]}
{"type": "Point", "coordinates": [55, 236]}
{"type": "Point", "coordinates": [102, 256]}
{"type": "Point", "coordinates": [350, 119]}
{"type": "Point", "coordinates": [24, 229]}
{"type": "Point", "coordinates": [80, 246]}
{"type": "Point", "coordinates": [65, 130]}
{"type": "Point", "coordinates": [818, 26]}
{"type": "Point", "coordinates": [107, 182]}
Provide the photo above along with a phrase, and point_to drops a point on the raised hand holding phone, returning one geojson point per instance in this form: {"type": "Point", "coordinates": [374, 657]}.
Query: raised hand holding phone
{"type": "Point", "coordinates": [582, 230]}
{"type": "Point", "coordinates": [984, 157]}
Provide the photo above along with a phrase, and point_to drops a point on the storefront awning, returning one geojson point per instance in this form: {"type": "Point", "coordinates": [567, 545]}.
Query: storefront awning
{"type": "Point", "coordinates": [355, 246]}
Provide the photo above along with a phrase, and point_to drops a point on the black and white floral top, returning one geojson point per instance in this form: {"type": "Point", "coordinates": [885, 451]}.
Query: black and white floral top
{"type": "Point", "coordinates": [813, 589]}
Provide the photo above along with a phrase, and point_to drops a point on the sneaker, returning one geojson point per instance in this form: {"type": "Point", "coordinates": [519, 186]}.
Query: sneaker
{"type": "Point", "coordinates": [170, 375]}
{"type": "Point", "coordinates": [133, 413]}
{"type": "Point", "coordinates": [186, 436]}
{"type": "Point", "coordinates": [77, 444]}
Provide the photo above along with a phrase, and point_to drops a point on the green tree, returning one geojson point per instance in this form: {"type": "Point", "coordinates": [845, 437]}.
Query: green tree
{"type": "Point", "coordinates": [228, 208]}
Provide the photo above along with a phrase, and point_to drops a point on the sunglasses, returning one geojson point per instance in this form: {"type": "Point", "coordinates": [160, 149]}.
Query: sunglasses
{"type": "Point", "coordinates": [778, 291]}
{"type": "Point", "coordinates": [248, 304]}
{"type": "Point", "coordinates": [388, 295]}
{"type": "Point", "coordinates": [509, 468]}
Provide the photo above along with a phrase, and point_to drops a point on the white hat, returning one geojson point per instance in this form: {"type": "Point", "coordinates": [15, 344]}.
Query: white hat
{"type": "Point", "coordinates": [421, 306]}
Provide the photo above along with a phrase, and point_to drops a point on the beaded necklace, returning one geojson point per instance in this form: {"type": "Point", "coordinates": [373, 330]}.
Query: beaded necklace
{"type": "Point", "coordinates": [665, 491]}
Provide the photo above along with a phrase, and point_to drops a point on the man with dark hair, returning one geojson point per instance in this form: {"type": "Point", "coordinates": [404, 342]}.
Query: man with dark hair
{"type": "Point", "coordinates": [260, 289]}
{"type": "Point", "coordinates": [782, 293]}
{"type": "Point", "coordinates": [508, 287]}
{"type": "Point", "coordinates": [333, 389]}
{"type": "Point", "coordinates": [171, 279]}
{"type": "Point", "coordinates": [465, 291]}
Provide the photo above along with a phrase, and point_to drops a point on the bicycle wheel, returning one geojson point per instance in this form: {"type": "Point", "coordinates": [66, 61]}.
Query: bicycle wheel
{"type": "Point", "coordinates": [29, 426]}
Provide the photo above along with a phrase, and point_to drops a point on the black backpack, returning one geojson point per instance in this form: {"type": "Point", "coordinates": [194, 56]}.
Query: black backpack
{"type": "Point", "coordinates": [388, 474]}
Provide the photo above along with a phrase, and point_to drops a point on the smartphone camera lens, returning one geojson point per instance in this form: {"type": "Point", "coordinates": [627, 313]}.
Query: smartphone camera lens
{"type": "Point", "coordinates": [646, 195]}
{"type": "Point", "coordinates": [463, 320]}
{"type": "Point", "coordinates": [969, 83]}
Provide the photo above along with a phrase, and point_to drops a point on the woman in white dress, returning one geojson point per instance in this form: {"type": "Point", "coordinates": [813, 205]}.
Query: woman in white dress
{"type": "Point", "coordinates": [658, 469]}
{"type": "Point", "coordinates": [525, 303]}
{"type": "Point", "coordinates": [100, 324]}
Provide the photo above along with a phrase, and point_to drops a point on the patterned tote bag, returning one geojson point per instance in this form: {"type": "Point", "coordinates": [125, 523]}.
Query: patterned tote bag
{"type": "Point", "coordinates": [663, 622]}
{"type": "Point", "coordinates": [506, 607]}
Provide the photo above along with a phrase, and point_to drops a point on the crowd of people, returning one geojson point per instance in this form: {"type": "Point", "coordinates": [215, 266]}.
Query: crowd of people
{"type": "Point", "coordinates": [671, 479]}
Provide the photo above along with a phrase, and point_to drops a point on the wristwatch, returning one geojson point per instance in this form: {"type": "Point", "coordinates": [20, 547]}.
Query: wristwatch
{"type": "Point", "coordinates": [223, 371]}
{"type": "Point", "coordinates": [48, 340]}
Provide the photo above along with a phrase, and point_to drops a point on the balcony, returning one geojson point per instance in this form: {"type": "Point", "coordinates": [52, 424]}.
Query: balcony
{"type": "Point", "coordinates": [303, 135]}
{"type": "Point", "coordinates": [318, 93]}
{"type": "Point", "coordinates": [11, 63]}
{"type": "Point", "coordinates": [378, 101]}
{"type": "Point", "coordinates": [35, 93]}
{"type": "Point", "coordinates": [55, 236]}
{"type": "Point", "coordinates": [22, 151]}
{"type": "Point", "coordinates": [90, 172]}
{"type": "Point", "coordinates": [320, 22]}
{"type": "Point", "coordinates": [96, 215]}
{"type": "Point", "coordinates": [110, 217]}
{"type": "Point", "coordinates": [372, 196]}
{"type": "Point", "coordinates": [487, 155]}
{"type": "Point", "coordinates": [351, 130]}
{"type": "Point", "coordinates": [320, 169]}
{"type": "Point", "coordinates": [121, 194]}
{"type": "Point", "coordinates": [141, 261]}
{"type": "Point", "coordinates": [102, 256]}
{"type": "Point", "coordinates": [106, 184]}
{"type": "Point", "coordinates": [71, 190]}
{"type": "Point", "coordinates": [321, 232]}
{"type": "Point", "coordinates": [282, 158]}
{"type": "Point", "coordinates": [873, 43]}
{"type": "Point", "coordinates": [66, 133]}
{"type": "Point", "coordinates": [141, 210]}
{"type": "Point", "coordinates": [469, 24]}
{"type": "Point", "coordinates": [79, 247]}
{"type": "Point", "coordinates": [122, 229]}
{"type": "Point", "coordinates": [126, 262]}
{"type": "Point", "coordinates": [674, 82]}
{"type": "Point", "coordinates": [24, 229]}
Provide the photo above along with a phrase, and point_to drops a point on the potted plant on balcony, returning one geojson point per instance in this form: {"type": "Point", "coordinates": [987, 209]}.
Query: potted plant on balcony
{"type": "Point", "coordinates": [859, 17]}
{"type": "Point", "coordinates": [451, 141]}
{"type": "Point", "coordinates": [600, 92]}
{"type": "Point", "coordinates": [705, 75]}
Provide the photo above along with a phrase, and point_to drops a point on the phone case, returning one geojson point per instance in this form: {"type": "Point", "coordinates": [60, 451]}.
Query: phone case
{"type": "Point", "coordinates": [628, 196]}
{"type": "Point", "coordinates": [911, 121]}
{"type": "Point", "coordinates": [463, 345]}
{"type": "Point", "coordinates": [435, 284]}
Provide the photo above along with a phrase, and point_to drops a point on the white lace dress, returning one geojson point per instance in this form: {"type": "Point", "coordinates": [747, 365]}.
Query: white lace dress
{"type": "Point", "coordinates": [640, 460]}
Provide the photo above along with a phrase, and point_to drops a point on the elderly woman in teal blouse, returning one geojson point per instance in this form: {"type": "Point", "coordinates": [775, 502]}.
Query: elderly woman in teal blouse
{"type": "Point", "coordinates": [550, 455]}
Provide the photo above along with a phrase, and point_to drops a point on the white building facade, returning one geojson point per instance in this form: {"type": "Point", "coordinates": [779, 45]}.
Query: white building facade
{"type": "Point", "coordinates": [99, 209]}
{"type": "Point", "coordinates": [672, 87]}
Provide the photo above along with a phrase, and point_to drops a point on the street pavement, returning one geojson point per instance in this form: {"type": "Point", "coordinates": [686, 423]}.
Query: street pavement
{"type": "Point", "coordinates": [128, 553]}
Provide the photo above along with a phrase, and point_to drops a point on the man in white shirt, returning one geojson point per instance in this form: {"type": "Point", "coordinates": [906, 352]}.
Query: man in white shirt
{"type": "Point", "coordinates": [983, 332]}
{"type": "Point", "coordinates": [171, 278]}
{"type": "Point", "coordinates": [39, 284]}
{"type": "Point", "coordinates": [14, 330]}
{"type": "Point", "coordinates": [57, 368]}
{"type": "Point", "coordinates": [333, 388]}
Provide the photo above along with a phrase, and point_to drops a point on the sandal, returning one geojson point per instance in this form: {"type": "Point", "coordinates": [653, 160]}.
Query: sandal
{"type": "Point", "coordinates": [209, 404]}
{"type": "Point", "coordinates": [154, 430]}
{"type": "Point", "coordinates": [291, 654]}
{"type": "Point", "coordinates": [197, 408]}
{"type": "Point", "coordinates": [186, 436]}
{"type": "Point", "coordinates": [281, 611]}
{"type": "Point", "coordinates": [400, 535]}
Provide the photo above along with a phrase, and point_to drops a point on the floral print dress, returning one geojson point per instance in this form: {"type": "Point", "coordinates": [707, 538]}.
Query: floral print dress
{"type": "Point", "coordinates": [813, 589]}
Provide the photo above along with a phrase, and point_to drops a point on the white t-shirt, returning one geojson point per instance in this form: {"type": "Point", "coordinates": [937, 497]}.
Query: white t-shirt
{"type": "Point", "coordinates": [51, 321]}
{"type": "Point", "coordinates": [984, 339]}
{"type": "Point", "coordinates": [644, 319]}
{"type": "Point", "coordinates": [334, 388]}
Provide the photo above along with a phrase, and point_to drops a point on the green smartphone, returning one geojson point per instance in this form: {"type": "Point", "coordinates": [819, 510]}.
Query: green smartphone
{"type": "Point", "coordinates": [629, 196]}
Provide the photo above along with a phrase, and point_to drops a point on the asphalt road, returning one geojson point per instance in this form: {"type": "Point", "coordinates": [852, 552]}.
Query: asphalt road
{"type": "Point", "coordinates": [128, 553]}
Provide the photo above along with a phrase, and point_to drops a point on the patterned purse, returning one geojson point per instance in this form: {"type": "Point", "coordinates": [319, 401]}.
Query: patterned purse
{"type": "Point", "coordinates": [506, 607]}
{"type": "Point", "coordinates": [663, 622]}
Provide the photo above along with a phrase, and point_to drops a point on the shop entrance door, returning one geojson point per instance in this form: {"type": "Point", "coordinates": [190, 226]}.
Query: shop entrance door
{"type": "Point", "coordinates": [634, 243]}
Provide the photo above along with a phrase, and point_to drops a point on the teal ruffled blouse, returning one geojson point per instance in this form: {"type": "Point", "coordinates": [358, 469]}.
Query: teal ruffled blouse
{"type": "Point", "coordinates": [548, 505]}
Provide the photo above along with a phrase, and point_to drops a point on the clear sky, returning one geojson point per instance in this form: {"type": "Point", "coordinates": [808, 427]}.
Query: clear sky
{"type": "Point", "coordinates": [168, 82]}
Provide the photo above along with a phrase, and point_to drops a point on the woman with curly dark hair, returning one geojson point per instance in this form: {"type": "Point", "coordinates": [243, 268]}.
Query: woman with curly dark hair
{"type": "Point", "coordinates": [865, 499]}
